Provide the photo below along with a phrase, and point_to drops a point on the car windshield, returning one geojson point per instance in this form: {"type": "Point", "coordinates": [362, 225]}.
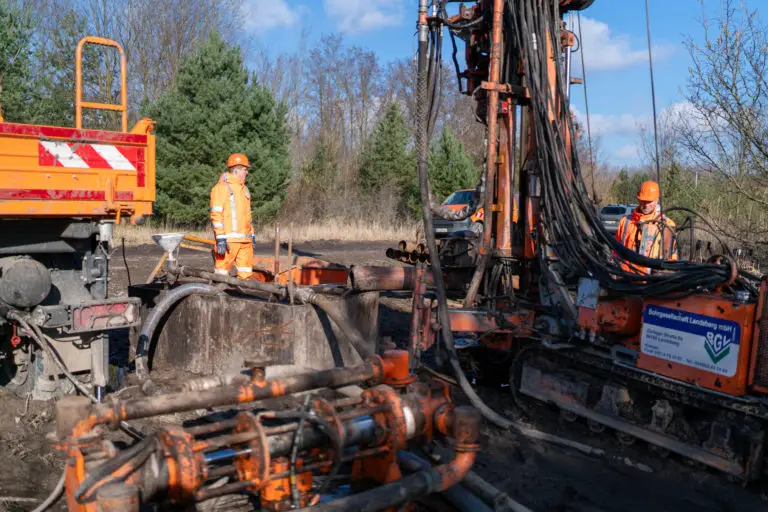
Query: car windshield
{"type": "Point", "coordinates": [459, 197]}
{"type": "Point", "coordinates": [613, 210]}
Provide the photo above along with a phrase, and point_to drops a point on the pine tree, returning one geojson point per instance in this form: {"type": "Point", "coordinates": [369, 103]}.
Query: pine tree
{"type": "Point", "coordinates": [217, 109]}
{"type": "Point", "coordinates": [386, 159]}
{"type": "Point", "coordinates": [450, 169]}
{"type": "Point", "coordinates": [15, 62]}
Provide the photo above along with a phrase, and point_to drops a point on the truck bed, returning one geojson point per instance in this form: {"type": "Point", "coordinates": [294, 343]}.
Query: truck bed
{"type": "Point", "coordinates": [63, 172]}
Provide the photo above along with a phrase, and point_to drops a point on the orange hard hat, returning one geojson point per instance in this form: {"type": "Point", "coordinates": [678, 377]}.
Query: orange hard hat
{"type": "Point", "coordinates": [237, 159]}
{"type": "Point", "coordinates": [649, 191]}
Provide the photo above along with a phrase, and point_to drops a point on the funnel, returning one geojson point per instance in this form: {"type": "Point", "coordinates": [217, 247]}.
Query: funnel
{"type": "Point", "coordinates": [169, 242]}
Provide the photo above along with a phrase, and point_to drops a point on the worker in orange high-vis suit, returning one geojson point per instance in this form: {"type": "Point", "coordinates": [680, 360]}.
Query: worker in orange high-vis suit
{"type": "Point", "coordinates": [231, 219]}
{"type": "Point", "coordinates": [646, 230]}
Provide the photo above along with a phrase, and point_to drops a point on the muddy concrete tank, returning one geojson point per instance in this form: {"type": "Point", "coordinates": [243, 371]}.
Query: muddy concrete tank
{"type": "Point", "coordinates": [217, 334]}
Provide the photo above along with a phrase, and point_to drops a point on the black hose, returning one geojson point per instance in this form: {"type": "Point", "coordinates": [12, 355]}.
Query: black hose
{"type": "Point", "coordinates": [422, 148]}
{"type": "Point", "coordinates": [458, 495]}
{"type": "Point", "coordinates": [331, 308]}
{"type": "Point", "coordinates": [140, 451]}
{"type": "Point", "coordinates": [151, 323]}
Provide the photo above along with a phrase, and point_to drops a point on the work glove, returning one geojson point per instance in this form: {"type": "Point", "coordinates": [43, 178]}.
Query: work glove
{"type": "Point", "coordinates": [221, 247]}
{"type": "Point", "coordinates": [253, 240]}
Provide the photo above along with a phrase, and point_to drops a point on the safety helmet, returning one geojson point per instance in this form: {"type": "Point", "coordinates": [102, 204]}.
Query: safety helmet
{"type": "Point", "coordinates": [649, 191]}
{"type": "Point", "coordinates": [237, 159]}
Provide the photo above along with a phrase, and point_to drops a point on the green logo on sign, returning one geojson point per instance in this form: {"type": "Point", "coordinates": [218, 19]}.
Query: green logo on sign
{"type": "Point", "coordinates": [718, 347]}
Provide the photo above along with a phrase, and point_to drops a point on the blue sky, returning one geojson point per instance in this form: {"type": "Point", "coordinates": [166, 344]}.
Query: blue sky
{"type": "Point", "coordinates": [615, 50]}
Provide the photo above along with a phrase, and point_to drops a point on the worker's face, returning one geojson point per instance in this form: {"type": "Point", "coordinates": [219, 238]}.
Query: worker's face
{"type": "Point", "coordinates": [239, 171]}
{"type": "Point", "coordinates": [647, 207]}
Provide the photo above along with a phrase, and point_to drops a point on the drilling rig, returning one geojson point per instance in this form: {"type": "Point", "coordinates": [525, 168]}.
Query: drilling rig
{"type": "Point", "coordinates": [675, 357]}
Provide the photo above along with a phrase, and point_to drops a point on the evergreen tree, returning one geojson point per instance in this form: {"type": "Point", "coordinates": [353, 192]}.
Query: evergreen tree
{"type": "Point", "coordinates": [55, 75]}
{"type": "Point", "coordinates": [15, 62]}
{"type": "Point", "coordinates": [386, 159]}
{"type": "Point", "coordinates": [450, 169]}
{"type": "Point", "coordinates": [217, 109]}
{"type": "Point", "coordinates": [625, 188]}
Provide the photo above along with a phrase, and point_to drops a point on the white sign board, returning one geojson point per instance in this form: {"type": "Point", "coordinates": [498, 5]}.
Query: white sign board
{"type": "Point", "coordinates": [702, 342]}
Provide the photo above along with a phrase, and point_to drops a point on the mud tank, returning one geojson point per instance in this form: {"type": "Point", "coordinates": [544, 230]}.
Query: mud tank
{"type": "Point", "coordinates": [299, 319]}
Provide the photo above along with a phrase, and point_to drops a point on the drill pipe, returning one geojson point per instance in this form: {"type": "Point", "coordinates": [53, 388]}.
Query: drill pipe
{"type": "Point", "coordinates": [377, 370]}
{"type": "Point", "coordinates": [466, 431]}
{"type": "Point", "coordinates": [278, 291]}
{"type": "Point", "coordinates": [369, 278]}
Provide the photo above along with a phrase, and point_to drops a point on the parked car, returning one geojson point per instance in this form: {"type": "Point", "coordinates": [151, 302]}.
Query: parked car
{"type": "Point", "coordinates": [456, 201]}
{"type": "Point", "coordinates": [611, 214]}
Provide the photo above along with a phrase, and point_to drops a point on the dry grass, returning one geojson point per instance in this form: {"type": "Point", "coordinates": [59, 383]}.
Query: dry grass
{"type": "Point", "coordinates": [330, 229]}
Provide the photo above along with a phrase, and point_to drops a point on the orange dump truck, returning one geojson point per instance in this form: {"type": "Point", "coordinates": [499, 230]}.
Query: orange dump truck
{"type": "Point", "coordinates": [62, 190]}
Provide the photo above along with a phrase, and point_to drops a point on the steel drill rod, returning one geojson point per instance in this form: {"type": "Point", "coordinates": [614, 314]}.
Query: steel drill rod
{"type": "Point", "coordinates": [212, 428]}
{"type": "Point", "coordinates": [233, 488]}
{"type": "Point", "coordinates": [235, 394]}
{"type": "Point", "coordinates": [370, 278]}
{"type": "Point", "coordinates": [250, 284]}
{"type": "Point", "coordinates": [360, 431]}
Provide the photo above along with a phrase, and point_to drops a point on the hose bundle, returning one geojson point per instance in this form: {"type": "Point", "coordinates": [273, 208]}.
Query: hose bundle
{"type": "Point", "coordinates": [569, 222]}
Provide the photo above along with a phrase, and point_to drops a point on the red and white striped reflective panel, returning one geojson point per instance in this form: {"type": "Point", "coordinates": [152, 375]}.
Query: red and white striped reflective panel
{"type": "Point", "coordinates": [81, 155]}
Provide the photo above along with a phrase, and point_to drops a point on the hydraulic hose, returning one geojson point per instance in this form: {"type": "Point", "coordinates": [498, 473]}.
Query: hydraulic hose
{"type": "Point", "coordinates": [331, 308]}
{"type": "Point", "coordinates": [407, 489]}
{"type": "Point", "coordinates": [422, 148]}
{"type": "Point", "coordinates": [458, 495]}
{"type": "Point", "coordinates": [150, 324]}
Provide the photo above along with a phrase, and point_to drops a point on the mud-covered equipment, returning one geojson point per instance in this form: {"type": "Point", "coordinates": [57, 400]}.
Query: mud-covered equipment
{"type": "Point", "coordinates": [675, 356]}
{"type": "Point", "coordinates": [287, 458]}
{"type": "Point", "coordinates": [62, 191]}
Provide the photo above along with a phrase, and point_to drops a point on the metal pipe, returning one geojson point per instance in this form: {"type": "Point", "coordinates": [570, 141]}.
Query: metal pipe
{"type": "Point", "coordinates": [238, 394]}
{"type": "Point", "coordinates": [273, 289]}
{"type": "Point", "coordinates": [458, 495]}
{"type": "Point", "coordinates": [361, 431]}
{"type": "Point", "coordinates": [492, 150]}
{"type": "Point", "coordinates": [277, 250]}
{"type": "Point", "coordinates": [407, 489]}
{"type": "Point", "coordinates": [465, 432]}
{"type": "Point", "coordinates": [488, 493]}
{"type": "Point", "coordinates": [370, 278]}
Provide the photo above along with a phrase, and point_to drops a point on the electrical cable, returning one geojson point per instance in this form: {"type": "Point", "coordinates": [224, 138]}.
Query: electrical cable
{"type": "Point", "coordinates": [586, 108]}
{"type": "Point", "coordinates": [298, 437]}
{"type": "Point", "coordinates": [653, 97]}
{"type": "Point", "coordinates": [55, 494]}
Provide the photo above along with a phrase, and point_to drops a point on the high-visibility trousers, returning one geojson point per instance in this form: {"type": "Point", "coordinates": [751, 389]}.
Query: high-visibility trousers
{"type": "Point", "coordinates": [239, 253]}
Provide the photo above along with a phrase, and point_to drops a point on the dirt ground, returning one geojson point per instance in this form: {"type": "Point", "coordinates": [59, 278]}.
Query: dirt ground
{"type": "Point", "coordinates": [541, 476]}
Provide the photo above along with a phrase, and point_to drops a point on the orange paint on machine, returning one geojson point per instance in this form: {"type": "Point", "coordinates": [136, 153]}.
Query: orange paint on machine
{"type": "Point", "coordinates": [48, 171]}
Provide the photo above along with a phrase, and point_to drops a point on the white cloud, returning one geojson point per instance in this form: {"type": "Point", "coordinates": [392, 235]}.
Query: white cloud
{"type": "Point", "coordinates": [357, 16]}
{"type": "Point", "coordinates": [629, 152]}
{"type": "Point", "coordinates": [261, 15]}
{"type": "Point", "coordinates": [605, 50]}
{"type": "Point", "coordinates": [608, 124]}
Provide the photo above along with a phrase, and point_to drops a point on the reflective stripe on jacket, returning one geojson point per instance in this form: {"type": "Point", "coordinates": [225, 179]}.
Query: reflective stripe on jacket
{"type": "Point", "coordinates": [231, 209]}
{"type": "Point", "coordinates": [644, 234]}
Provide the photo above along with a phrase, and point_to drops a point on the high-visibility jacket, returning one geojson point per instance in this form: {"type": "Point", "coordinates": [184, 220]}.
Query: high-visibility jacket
{"type": "Point", "coordinates": [231, 210]}
{"type": "Point", "coordinates": [648, 235]}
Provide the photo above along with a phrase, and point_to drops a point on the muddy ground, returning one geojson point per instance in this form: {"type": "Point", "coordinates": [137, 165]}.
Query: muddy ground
{"type": "Point", "coordinates": [542, 476]}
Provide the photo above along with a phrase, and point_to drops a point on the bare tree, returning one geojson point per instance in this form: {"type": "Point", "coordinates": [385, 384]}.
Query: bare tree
{"type": "Point", "coordinates": [726, 131]}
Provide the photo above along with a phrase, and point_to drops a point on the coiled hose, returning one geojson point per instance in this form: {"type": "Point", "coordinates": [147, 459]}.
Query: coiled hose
{"type": "Point", "coordinates": [150, 324]}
